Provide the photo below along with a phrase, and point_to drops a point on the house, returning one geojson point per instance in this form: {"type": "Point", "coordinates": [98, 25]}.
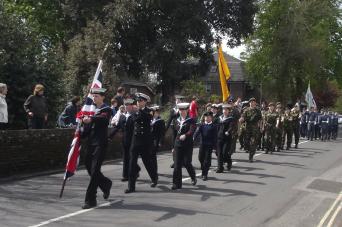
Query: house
{"type": "Point", "coordinates": [238, 83]}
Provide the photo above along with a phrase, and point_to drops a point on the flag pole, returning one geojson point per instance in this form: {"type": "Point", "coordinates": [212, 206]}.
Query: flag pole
{"type": "Point", "coordinates": [65, 176]}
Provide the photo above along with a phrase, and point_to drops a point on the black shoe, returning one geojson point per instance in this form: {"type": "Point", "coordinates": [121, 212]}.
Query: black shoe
{"type": "Point", "coordinates": [229, 167]}
{"type": "Point", "coordinates": [204, 178]}
{"type": "Point", "coordinates": [194, 181]}
{"type": "Point", "coordinates": [175, 187]}
{"type": "Point", "coordinates": [88, 205]}
{"type": "Point", "coordinates": [154, 183]}
{"type": "Point", "coordinates": [129, 190]}
{"type": "Point", "coordinates": [124, 179]}
{"type": "Point", "coordinates": [107, 192]}
{"type": "Point", "coordinates": [287, 148]}
{"type": "Point", "coordinates": [296, 146]}
{"type": "Point", "coordinates": [219, 171]}
{"type": "Point", "coordinates": [172, 165]}
{"type": "Point", "coordinates": [250, 160]}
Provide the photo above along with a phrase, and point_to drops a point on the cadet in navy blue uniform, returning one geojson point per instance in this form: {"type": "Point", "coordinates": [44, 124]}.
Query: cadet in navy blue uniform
{"type": "Point", "coordinates": [158, 131]}
{"type": "Point", "coordinates": [335, 126]}
{"type": "Point", "coordinates": [324, 122]}
{"type": "Point", "coordinates": [224, 139]}
{"type": "Point", "coordinates": [126, 124]}
{"type": "Point", "coordinates": [311, 119]}
{"type": "Point", "coordinates": [208, 132]}
{"type": "Point", "coordinates": [141, 143]}
{"type": "Point", "coordinates": [171, 122]}
{"type": "Point", "coordinates": [304, 124]}
{"type": "Point", "coordinates": [318, 125]}
{"type": "Point", "coordinates": [183, 147]}
{"type": "Point", "coordinates": [95, 128]}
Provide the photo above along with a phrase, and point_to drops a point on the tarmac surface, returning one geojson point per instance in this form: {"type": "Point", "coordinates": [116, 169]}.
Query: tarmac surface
{"type": "Point", "coordinates": [300, 187]}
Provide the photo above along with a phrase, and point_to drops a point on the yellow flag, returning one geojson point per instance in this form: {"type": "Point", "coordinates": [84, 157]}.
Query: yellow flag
{"type": "Point", "coordinates": [224, 74]}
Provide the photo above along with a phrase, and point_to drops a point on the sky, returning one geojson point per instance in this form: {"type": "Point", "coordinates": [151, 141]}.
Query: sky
{"type": "Point", "coordinates": [235, 52]}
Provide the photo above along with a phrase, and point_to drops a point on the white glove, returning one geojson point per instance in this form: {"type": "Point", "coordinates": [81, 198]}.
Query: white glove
{"type": "Point", "coordinates": [226, 133]}
{"type": "Point", "coordinates": [182, 137]}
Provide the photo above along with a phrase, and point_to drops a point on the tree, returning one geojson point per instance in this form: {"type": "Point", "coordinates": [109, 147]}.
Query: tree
{"type": "Point", "coordinates": [295, 42]}
{"type": "Point", "coordinates": [23, 63]}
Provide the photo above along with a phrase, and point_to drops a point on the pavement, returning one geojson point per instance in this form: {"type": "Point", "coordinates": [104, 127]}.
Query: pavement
{"type": "Point", "coordinates": [300, 187]}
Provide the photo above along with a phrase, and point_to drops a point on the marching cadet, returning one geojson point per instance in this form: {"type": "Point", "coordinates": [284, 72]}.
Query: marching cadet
{"type": "Point", "coordinates": [311, 119]}
{"type": "Point", "coordinates": [216, 115]}
{"type": "Point", "coordinates": [158, 131]}
{"type": "Point", "coordinates": [304, 123]}
{"type": "Point", "coordinates": [295, 112]}
{"type": "Point", "coordinates": [126, 124]}
{"type": "Point", "coordinates": [335, 126]}
{"type": "Point", "coordinates": [141, 143]}
{"type": "Point", "coordinates": [324, 121]}
{"type": "Point", "coordinates": [95, 128]}
{"type": "Point", "coordinates": [262, 140]}
{"type": "Point", "coordinates": [270, 122]}
{"type": "Point", "coordinates": [331, 125]}
{"type": "Point", "coordinates": [183, 146]}
{"type": "Point", "coordinates": [235, 114]}
{"type": "Point", "coordinates": [288, 128]}
{"type": "Point", "coordinates": [224, 139]}
{"type": "Point", "coordinates": [317, 125]}
{"type": "Point", "coordinates": [174, 114]}
{"type": "Point", "coordinates": [207, 109]}
{"type": "Point", "coordinates": [208, 132]}
{"type": "Point", "coordinates": [252, 117]}
{"type": "Point", "coordinates": [279, 127]}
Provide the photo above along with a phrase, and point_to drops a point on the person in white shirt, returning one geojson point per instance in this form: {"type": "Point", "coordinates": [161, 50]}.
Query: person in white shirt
{"type": "Point", "coordinates": [3, 107]}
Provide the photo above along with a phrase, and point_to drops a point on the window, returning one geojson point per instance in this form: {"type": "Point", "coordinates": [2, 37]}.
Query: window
{"type": "Point", "coordinates": [133, 90]}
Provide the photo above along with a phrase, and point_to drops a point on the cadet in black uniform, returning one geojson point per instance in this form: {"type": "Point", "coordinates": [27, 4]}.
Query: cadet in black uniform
{"type": "Point", "coordinates": [95, 128]}
{"type": "Point", "coordinates": [224, 139]}
{"type": "Point", "coordinates": [183, 147]}
{"type": "Point", "coordinates": [126, 124]}
{"type": "Point", "coordinates": [174, 114]}
{"type": "Point", "coordinates": [158, 131]}
{"type": "Point", "coordinates": [208, 132]}
{"type": "Point", "coordinates": [141, 143]}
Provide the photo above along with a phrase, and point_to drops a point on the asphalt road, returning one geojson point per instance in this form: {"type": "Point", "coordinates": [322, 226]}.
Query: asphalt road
{"type": "Point", "coordinates": [300, 187]}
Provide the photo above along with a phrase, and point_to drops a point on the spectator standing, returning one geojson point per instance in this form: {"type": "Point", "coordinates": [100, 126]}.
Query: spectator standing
{"type": "Point", "coordinates": [3, 107]}
{"type": "Point", "coordinates": [36, 108]}
{"type": "Point", "coordinates": [68, 116]}
{"type": "Point", "coordinates": [113, 106]}
{"type": "Point", "coordinates": [119, 97]}
{"type": "Point", "coordinates": [193, 110]}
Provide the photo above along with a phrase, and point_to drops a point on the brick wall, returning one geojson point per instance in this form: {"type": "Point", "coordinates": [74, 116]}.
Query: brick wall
{"type": "Point", "coordinates": [28, 151]}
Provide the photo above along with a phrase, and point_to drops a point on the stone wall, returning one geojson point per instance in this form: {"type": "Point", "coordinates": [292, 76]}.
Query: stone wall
{"type": "Point", "coordinates": [29, 151]}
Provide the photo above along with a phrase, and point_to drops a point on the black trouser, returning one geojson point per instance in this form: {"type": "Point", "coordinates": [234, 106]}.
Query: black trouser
{"type": "Point", "coordinates": [3, 126]}
{"type": "Point", "coordinates": [125, 160]}
{"type": "Point", "coordinates": [93, 161]}
{"type": "Point", "coordinates": [296, 129]}
{"type": "Point", "coordinates": [36, 122]}
{"type": "Point", "coordinates": [224, 155]}
{"type": "Point", "coordinates": [174, 136]}
{"type": "Point", "coordinates": [155, 150]}
{"type": "Point", "coordinates": [311, 130]}
{"type": "Point", "coordinates": [145, 153]}
{"type": "Point", "coordinates": [204, 156]}
{"type": "Point", "coordinates": [182, 156]}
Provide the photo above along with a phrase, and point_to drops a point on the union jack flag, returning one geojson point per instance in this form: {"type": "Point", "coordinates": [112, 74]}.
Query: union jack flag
{"type": "Point", "coordinates": [88, 109]}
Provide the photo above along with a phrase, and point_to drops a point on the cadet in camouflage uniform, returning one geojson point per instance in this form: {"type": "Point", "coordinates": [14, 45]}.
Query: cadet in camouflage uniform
{"type": "Point", "coordinates": [269, 126]}
{"type": "Point", "coordinates": [262, 140]}
{"type": "Point", "coordinates": [296, 115]}
{"type": "Point", "coordinates": [235, 113]}
{"type": "Point", "coordinates": [279, 128]}
{"type": "Point", "coordinates": [288, 128]}
{"type": "Point", "coordinates": [252, 117]}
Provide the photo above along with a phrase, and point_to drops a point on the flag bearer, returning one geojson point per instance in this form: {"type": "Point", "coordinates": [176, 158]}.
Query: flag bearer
{"type": "Point", "coordinates": [96, 130]}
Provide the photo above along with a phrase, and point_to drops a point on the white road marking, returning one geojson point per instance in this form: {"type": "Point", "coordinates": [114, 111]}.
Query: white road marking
{"type": "Point", "coordinates": [72, 214]}
{"type": "Point", "coordinates": [331, 222]}
{"type": "Point", "coordinates": [327, 214]}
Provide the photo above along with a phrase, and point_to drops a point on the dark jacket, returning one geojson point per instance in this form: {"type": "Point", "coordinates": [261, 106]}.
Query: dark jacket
{"type": "Point", "coordinates": [208, 134]}
{"type": "Point", "coordinates": [97, 130]}
{"type": "Point", "coordinates": [225, 127]}
{"type": "Point", "coordinates": [174, 114]}
{"type": "Point", "coordinates": [187, 128]}
{"type": "Point", "coordinates": [36, 104]}
{"type": "Point", "coordinates": [68, 116]}
{"type": "Point", "coordinates": [158, 130]}
{"type": "Point", "coordinates": [120, 100]}
{"type": "Point", "coordinates": [142, 127]}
